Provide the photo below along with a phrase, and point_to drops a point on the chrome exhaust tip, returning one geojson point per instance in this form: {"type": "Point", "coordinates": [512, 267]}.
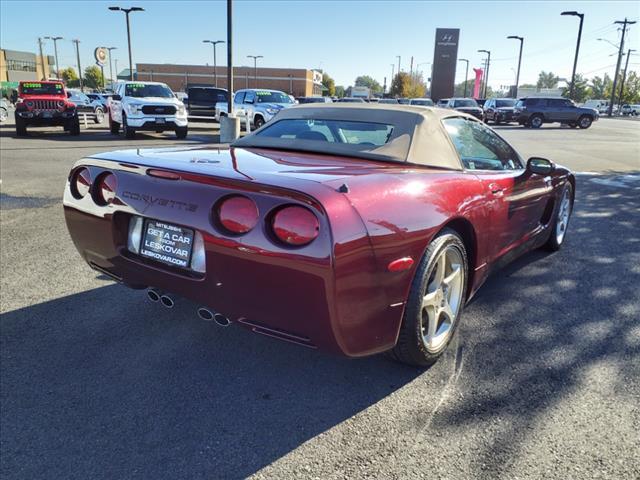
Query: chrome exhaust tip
{"type": "Point", "coordinates": [167, 301]}
{"type": "Point", "coordinates": [205, 314]}
{"type": "Point", "coordinates": [221, 320]}
{"type": "Point", "coordinates": [153, 295]}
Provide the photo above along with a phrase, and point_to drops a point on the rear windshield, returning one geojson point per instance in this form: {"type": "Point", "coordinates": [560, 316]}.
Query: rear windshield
{"type": "Point", "coordinates": [141, 90]}
{"type": "Point", "coordinates": [272, 97]}
{"type": "Point", "coordinates": [331, 131]}
{"type": "Point", "coordinates": [38, 88]}
{"type": "Point", "coordinates": [466, 103]}
{"type": "Point", "coordinates": [507, 102]}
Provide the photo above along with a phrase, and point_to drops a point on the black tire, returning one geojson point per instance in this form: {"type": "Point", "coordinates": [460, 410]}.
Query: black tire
{"type": "Point", "coordinates": [536, 121]}
{"type": "Point", "coordinates": [585, 121]}
{"type": "Point", "coordinates": [554, 243]}
{"type": "Point", "coordinates": [181, 132]}
{"type": "Point", "coordinates": [258, 121]}
{"type": "Point", "coordinates": [74, 126]}
{"type": "Point", "coordinates": [129, 133]}
{"type": "Point", "coordinates": [99, 118]}
{"type": "Point", "coordinates": [410, 347]}
{"type": "Point", "coordinates": [572, 124]}
{"type": "Point", "coordinates": [114, 127]}
{"type": "Point", "coordinates": [21, 127]}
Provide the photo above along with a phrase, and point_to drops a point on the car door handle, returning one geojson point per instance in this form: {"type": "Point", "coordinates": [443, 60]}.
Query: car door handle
{"type": "Point", "coordinates": [496, 189]}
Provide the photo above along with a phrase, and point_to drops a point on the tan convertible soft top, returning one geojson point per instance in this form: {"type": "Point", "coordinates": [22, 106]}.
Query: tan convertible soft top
{"type": "Point", "coordinates": [418, 135]}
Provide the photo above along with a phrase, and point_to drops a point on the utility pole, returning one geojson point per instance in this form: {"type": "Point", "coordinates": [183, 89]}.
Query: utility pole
{"type": "Point", "coordinates": [127, 11]}
{"type": "Point", "coordinates": [624, 78]}
{"type": "Point", "coordinates": [77, 42]}
{"type": "Point", "coordinates": [575, 61]}
{"type": "Point", "coordinates": [486, 71]}
{"type": "Point", "coordinates": [466, 74]}
{"type": "Point", "coordinates": [615, 78]}
{"type": "Point", "coordinates": [255, 68]}
{"type": "Point", "coordinates": [55, 49]}
{"type": "Point", "coordinates": [44, 77]}
{"type": "Point", "coordinates": [115, 61]}
{"type": "Point", "coordinates": [411, 68]}
{"type": "Point", "coordinates": [515, 37]}
{"type": "Point", "coordinates": [110, 66]}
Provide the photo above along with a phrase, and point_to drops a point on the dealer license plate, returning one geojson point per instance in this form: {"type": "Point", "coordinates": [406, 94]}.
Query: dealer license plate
{"type": "Point", "coordinates": [161, 120]}
{"type": "Point", "coordinates": [167, 243]}
{"type": "Point", "coordinates": [47, 115]}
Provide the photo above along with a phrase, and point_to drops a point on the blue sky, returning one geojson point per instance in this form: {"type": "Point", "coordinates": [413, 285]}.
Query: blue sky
{"type": "Point", "coordinates": [346, 39]}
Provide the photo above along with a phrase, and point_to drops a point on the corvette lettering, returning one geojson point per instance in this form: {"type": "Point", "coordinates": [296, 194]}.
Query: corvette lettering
{"type": "Point", "coordinates": [163, 202]}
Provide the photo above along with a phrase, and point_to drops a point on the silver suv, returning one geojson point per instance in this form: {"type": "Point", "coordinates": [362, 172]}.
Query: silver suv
{"type": "Point", "coordinates": [258, 105]}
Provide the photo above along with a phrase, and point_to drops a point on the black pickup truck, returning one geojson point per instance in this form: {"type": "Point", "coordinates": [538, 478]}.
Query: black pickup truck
{"type": "Point", "coordinates": [201, 100]}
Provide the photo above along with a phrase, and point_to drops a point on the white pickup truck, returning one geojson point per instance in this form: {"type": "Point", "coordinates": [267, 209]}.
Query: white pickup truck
{"type": "Point", "coordinates": [150, 106]}
{"type": "Point", "coordinates": [258, 105]}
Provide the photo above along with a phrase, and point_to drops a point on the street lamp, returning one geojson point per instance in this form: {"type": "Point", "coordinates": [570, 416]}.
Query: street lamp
{"type": "Point", "coordinates": [600, 39]}
{"type": "Point", "coordinates": [575, 61]}
{"type": "Point", "coordinates": [486, 73]}
{"type": "Point", "coordinates": [55, 49]}
{"type": "Point", "coordinates": [466, 74]}
{"type": "Point", "coordinates": [127, 11]}
{"type": "Point", "coordinates": [110, 66]}
{"type": "Point", "coordinates": [255, 68]}
{"type": "Point", "coordinates": [215, 73]}
{"type": "Point", "coordinates": [398, 57]}
{"type": "Point", "coordinates": [515, 37]}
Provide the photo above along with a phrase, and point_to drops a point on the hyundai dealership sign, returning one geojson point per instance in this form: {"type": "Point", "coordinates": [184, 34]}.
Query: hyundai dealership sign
{"type": "Point", "coordinates": [445, 58]}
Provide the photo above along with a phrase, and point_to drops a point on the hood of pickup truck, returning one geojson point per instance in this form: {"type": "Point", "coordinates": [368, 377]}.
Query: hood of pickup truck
{"type": "Point", "coordinates": [259, 165]}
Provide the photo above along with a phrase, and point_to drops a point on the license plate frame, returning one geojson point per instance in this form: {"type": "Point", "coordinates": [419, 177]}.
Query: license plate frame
{"type": "Point", "coordinates": [158, 234]}
{"type": "Point", "coordinates": [160, 121]}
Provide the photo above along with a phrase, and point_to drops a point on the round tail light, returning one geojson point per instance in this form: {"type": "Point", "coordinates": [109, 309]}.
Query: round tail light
{"type": "Point", "coordinates": [81, 183]}
{"type": "Point", "coordinates": [106, 189]}
{"type": "Point", "coordinates": [295, 225]}
{"type": "Point", "coordinates": [238, 214]}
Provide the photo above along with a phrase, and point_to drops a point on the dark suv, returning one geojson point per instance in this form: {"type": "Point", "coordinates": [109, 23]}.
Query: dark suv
{"type": "Point", "coordinates": [201, 100]}
{"type": "Point", "coordinates": [499, 110]}
{"type": "Point", "coordinates": [534, 111]}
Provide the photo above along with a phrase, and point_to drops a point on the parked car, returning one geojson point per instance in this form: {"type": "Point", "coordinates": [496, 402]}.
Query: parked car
{"type": "Point", "coordinates": [45, 104]}
{"type": "Point", "coordinates": [150, 106]}
{"type": "Point", "coordinates": [258, 105]}
{"type": "Point", "coordinates": [601, 105]}
{"type": "Point", "coordinates": [633, 109]}
{"type": "Point", "coordinates": [102, 98]}
{"type": "Point", "coordinates": [535, 111]}
{"type": "Point", "coordinates": [499, 110]}
{"type": "Point", "coordinates": [442, 103]}
{"type": "Point", "coordinates": [355, 230]}
{"type": "Point", "coordinates": [423, 102]}
{"type": "Point", "coordinates": [93, 109]}
{"type": "Point", "coordinates": [201, 101]}
{"type": "Point", "coordinates": [388, 101]}
{"type": "Point", "coordinates": [303, 100]}
{"type": "Point", "coordinates": [4, 110]}
{"type": "Point", "coordinates": [466, 105]}
{"type": "Point", "coordinates": [351, 100]}
{"type": "Point", "coordinates": [404, 101]}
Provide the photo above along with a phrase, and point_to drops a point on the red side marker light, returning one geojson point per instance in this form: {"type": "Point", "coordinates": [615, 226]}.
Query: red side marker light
{"type": "Point", "coordinates": [400, 264]}
{"type": "Point", "coordinates": [163, 174]}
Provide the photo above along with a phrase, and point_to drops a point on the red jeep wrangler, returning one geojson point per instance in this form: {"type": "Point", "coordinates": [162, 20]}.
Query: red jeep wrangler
{"type": "Point", "coordinates": [43, 104]}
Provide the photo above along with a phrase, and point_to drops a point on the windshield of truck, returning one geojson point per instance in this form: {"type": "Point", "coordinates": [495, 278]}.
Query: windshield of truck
{"type": "Point", "coordinates": [39, 88]}
{"type": "Point", "coordinates": [272, 97]}
{"type": "Point", "coordinates": [141, 90]}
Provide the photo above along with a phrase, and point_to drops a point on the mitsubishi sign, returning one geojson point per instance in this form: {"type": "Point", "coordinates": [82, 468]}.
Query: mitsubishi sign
{"type": "Point", "coordinates": [445, 59]}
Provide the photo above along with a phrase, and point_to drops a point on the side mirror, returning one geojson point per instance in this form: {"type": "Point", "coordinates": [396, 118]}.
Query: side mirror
{"type": "Point", "coordinates": [540, 166]}
{"type": "Point", "coordinates": [116, 98]}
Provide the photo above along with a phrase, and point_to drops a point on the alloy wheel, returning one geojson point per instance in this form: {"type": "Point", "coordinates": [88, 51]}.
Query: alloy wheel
{"type": "Point", "coordinates": [563, 217]}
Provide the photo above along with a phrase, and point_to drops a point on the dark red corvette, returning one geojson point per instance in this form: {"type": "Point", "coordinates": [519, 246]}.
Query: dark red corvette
{"type": "Point", "coordinates": [356, 229]}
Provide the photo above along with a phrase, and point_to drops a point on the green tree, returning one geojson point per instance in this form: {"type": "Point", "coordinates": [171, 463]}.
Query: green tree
{"type": "Point", "coordinates": [329, 84]}
{"type": "Point", "coordinates": [631, 93]}
{"type": "Point", "coordinates": [458, 89]}
{"type": "Point", "coordinates": [93, 77]}
{"type": "Point", "coordinates": [339, 91]}
{"type": "Point", "coordinates": [580, 90]}
{"type": "Point", "coordinates": [69, 77]}
{"type": "Point", "coordinates": [417, 87]}
{"type": "Point", "coordinates": [400, 85]}
{"type": "Point", "coordinates": [547, 80]}
{"type": "Point", "coordinates": [367, 81]}
{"type": "Point", "coordinates": [599, 86]}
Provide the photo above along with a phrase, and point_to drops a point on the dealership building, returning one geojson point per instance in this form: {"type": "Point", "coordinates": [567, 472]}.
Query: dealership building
{"type": "Point", "coordinates": [16, 66]}
{"type": "Point", "coordinates": [296, 82]}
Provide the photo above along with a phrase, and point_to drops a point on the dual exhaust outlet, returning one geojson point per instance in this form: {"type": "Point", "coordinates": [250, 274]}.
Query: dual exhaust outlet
{"type": "Point", "coordinates": [203, 312]}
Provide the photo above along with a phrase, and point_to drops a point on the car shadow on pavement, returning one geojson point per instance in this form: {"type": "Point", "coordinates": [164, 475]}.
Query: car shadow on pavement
{"type": "Point", "coordinates": [555, 325]}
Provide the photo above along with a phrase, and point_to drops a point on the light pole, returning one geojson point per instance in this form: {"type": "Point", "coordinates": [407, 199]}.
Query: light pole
{"type": "Point", "coordinates": [55, 49]}
{"type": "Point", "coordinates": [77, 42]}
{"type": "Point", "coordinates": [398, 57]}
{"type": "Point", "coordinates": [575, 61]}
{"type": "Point", "coordinates": [44, 77]}
{"type": "Point", "coordinates": [255, 68]}
{"type": "Point", "coordinates": [486, 73]}
{"type": "Point", "coordinates": [215, 66]}
{"type": "Point", "coordinates": [127, 11]}
{"type": "Point", "coordinates": [515, 37]}
{"type": "Point", "coordinates": [466, 74]}
{"type": "Point", "coordinates": [110, 66]}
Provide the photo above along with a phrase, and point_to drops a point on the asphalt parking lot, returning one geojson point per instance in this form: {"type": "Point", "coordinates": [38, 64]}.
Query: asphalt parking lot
{"type": "Point", "coordinates": [541, 381]}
